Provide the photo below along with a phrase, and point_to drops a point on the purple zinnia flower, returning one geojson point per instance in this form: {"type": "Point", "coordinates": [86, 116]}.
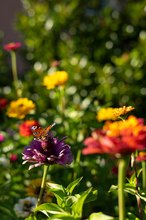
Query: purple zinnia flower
{"type": "Point", "coordinates": [50, 151]}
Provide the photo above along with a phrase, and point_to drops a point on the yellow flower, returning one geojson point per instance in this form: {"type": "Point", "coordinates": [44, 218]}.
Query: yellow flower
{"type": "Point", "coordinates": [112, 113]}
{"type": "Point", "coordinates": [34, 189]}
{"type": "Point", "coordinates": [20, 108]}
{"type": "Point", "coordinates": [55, 79]}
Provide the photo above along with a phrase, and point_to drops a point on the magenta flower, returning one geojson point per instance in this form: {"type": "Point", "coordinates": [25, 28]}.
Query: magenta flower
{"type": "Point", "coordinates": [2, 138]}
{"type": "Point", "coordinates": [12, 46]}
{"type": "Point", "coordinates": [51, 151]}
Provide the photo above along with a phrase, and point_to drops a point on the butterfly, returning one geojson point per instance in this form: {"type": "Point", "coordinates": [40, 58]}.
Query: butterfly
{"type": "Point", "coordinates": [41, 133]}
{"type": "Point", "coordinates": [123, 110]}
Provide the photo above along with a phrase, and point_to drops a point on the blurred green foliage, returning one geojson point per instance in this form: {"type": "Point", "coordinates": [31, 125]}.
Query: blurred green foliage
{"type": "Point", "coordinates": [101, 44]}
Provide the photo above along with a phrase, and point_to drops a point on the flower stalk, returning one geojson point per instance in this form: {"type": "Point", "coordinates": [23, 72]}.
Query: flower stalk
{"type": "Point", "coordinates": [42, 185]}
{"type": "Point", "coordinates": [121, 183]}
{"type": "Point", "coordinates": [14, 67]}
{"type": "Point", "coordinates": [144, 174]}
{"type": "Point", "coordinates": [138, 199]}
{"type": "Point", "coordinates": [15, 74]}
{"type": "Point", "coordinates": [61, 101]}
{"type": "Point", "coordinates": [62, 98]}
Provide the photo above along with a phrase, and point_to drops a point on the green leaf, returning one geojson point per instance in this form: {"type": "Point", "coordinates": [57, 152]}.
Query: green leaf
{"type": "Point", "coordinates": [72, 185]}
{"type": "Point", "coordinates": [133, 191]}
{"type": "Point", "coordinates": [6, 211]}
{"type": "Point", "coordinates": [132, 217]}
{"type": "Point", "coordinates": [113, 188]}
{"type": "Point", "coordinates": [70, 200]}
{"type": "Point", "coordinates": [59, 198]}
{"type": "Point", "coordinates": [63, 217]}
{"type": "Point", "coordinates": [50, 208]}
{"type": "Point", "coordinates": [55, 187]}
{"type": "Point", "coordinates": [130, 189]}
{"type": "Point", "coordinates": [31, 217]}
{"type": "Point", "coordinates": [101, 216]}
{"type": "Point", "coordinates": [77, 207]}
{"type": "Point", "coordinates": [58, 190]}
{"type": "Point", "coordinates": [133, 179]}
{"type": "Point", "coordinates": [91, 196]}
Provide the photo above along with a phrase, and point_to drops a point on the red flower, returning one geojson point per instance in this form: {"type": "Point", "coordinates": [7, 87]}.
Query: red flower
{"type": "Point", "coordinates": [25, 127]}
{"type": "Point", "coordinates": [12, 46]}
{"type": "Point", "coordinates": [3, 103]}
{"type": "Point", "coordinates": [117, 138]}
{"type": "Point", "coordinates": [13, 157]}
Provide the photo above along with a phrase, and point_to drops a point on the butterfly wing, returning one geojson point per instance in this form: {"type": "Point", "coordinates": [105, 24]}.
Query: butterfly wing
{"type": "Point", "coordinates": [46, 130]}
{"type": "Point", "coordinates": [37, 131]}
{"type": "Point", "coordinates": [41, 133]}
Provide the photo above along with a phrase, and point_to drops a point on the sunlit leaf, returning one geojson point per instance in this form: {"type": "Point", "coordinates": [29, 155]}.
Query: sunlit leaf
{"type": "Point", "coordinates": [77, 207]}
{"type": "Point", "coordinates": [73, 184]}
{"type": "Point", "coordinates": [58, 190]}
{"type": "Point", "coordinates": [50, 208]}
{"type": "Point", "coordinates": [55, 187]}
{"type": "Point", "coordinates": [101, 216]}
{"type": "Point", "coordinates": [31, 217]}
{"type": "Point", "coordinates": [63, 217]}
{"type": "Point", "coordinates": [113, 188]}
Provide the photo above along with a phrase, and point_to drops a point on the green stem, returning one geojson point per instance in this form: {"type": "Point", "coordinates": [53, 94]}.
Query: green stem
{"type": "Point", "coordinates": [15, 74]}
{"type": "Point", "coordinates": [121, 183]}
{"type": "Point", "coordinates": [61, 105]}
{"type": "Point", "coordinates": [78, 156]}
{"type": "Point", "coordinates": [42, 184]}
{"type": "Point", "coordinates": [77, 161]}
{"type": "Point", "coordinates": [14, 66]}
{"type": "Point", "coordinates": [144, 174]}
{"type": "Point", "coordinates": [62, 100]}
{"type": "Point", "coordinates": [138, 199]}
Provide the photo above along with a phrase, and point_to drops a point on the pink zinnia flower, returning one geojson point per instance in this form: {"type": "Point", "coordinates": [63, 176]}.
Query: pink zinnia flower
{"type": "Point", "coordinates": [12, 46]}
{"type": "Point", "coordinates": [117, 138]}
{"type": "Point", "coordinates": [2, 138]}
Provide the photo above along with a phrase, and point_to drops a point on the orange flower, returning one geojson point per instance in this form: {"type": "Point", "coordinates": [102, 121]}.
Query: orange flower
{"type": "Point", "coordinates": [25, 127]}
{"type": "Point", "coordinates": [132, 124]}
{"type": "Point", "coordinates": [117, 138]}
{"type": "Point", "coordinates": [141, 157]}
